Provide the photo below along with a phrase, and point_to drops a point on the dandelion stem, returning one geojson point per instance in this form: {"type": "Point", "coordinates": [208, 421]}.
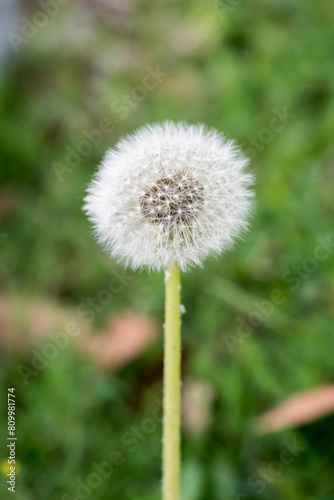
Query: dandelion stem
{"type": "Point", "coordinates": [172, 371]}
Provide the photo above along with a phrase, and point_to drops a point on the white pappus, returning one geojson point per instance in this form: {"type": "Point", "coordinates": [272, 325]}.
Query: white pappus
{"type": "Point", "coordinates": [170, 193]}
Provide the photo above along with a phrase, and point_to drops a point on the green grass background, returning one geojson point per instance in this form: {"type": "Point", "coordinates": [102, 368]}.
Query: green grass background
{"type": "Point", "coordinates": [232, 65]}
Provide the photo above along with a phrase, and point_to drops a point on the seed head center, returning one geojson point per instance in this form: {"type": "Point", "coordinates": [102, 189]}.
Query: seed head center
{"type": "Point", "coordinates": [172, 200]}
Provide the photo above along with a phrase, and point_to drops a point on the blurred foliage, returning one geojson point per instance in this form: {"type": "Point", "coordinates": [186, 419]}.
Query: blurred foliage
{"type": "Point", "coordinates": [235, 66]}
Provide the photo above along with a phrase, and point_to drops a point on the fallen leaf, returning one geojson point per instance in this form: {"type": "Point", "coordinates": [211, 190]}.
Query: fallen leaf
{"type": "Point", "coordinates": [9, 202]}
{"type": "Point", "coordinates": [126, 336]}
{"type": "Point", "coordinates": [300, 409]}
{"type": "Point", "coordinates": [25, 322]}
{"type": "Point", "coordinates": [197, 399]}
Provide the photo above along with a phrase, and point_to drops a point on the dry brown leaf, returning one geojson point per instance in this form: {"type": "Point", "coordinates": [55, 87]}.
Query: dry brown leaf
{"type": "Point", "coordinates": [302, 408]}
{"type": "Point", "coordinates": [25, 322]}
{"type": "Point", "coordinates": [123, 339]}
{"type": "Point", "coordinates": [197, 398]}
{"type": "Point", "coordinates": [9, 202]}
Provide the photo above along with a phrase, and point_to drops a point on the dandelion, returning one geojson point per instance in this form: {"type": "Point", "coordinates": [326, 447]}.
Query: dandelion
{"type": "Point", "coordinates": [167, 197]}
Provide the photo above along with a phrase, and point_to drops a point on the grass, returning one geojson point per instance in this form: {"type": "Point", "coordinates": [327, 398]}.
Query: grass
{"type": "Point", "coordinates": [234, 69]}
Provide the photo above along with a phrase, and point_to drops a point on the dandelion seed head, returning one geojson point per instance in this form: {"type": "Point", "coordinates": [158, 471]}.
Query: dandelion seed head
{"type": "Point", "coordinates": [170, 194]}
{"type": "Point", "coordinates": [167, 201]}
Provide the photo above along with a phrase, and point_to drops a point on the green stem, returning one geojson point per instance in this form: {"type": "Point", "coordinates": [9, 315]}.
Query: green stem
{"type": "Point", "coordinates": [172, 382]}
